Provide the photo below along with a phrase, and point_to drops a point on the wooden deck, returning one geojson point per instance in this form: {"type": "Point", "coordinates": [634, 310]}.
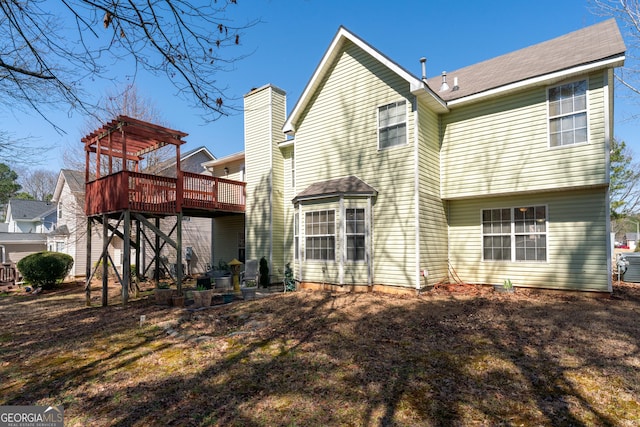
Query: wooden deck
{"type": "Point", "coordinates": [153, 194]}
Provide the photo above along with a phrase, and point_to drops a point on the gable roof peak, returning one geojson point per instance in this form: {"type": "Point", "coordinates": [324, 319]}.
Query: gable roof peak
{"type": "Point", "coordinates": [335, 48]}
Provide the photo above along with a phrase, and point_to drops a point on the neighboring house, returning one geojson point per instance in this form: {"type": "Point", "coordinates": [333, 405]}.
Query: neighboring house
{"type": "Point", "coordinates": [15, 246]}
{"type": "Point", "coordinates": [631, 240]}
{"type": "Point", "coordinates": [389, 181]}
{"type": "Point", "coordinates": [70, 236]}
{"type": "Point", "coordinates": [30, 216]}
{"type": "Point", "coordinates": [228, 229]}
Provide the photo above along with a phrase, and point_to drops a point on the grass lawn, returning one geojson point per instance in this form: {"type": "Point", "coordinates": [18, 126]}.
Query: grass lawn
{"type": "Point", "coordinates": [463, 356]}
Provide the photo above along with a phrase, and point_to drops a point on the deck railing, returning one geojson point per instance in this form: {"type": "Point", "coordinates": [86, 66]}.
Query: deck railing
{"type": "Point", "coordinates": [159, 194]}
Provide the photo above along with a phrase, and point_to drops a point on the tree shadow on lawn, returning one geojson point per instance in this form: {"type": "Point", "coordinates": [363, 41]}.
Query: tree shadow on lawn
{"type": "Point", "coordinates": [362, 359]}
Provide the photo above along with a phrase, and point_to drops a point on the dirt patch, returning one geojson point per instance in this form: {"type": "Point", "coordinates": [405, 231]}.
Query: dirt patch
{"type": "Point", "coordinates": [456, 355]}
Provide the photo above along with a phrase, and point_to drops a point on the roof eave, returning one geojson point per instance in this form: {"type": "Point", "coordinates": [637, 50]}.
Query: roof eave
{"type": "Point", "coordinates": [365, 194]}
{"type": "Point", "coordinates": [422, 90]}
{"type": "Point", "coordinates": [224, 160]}
{"type": "Point", "coordinates": [546, 79]}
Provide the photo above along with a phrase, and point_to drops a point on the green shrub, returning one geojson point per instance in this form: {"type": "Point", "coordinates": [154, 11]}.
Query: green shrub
{"type": "Point", "coordinates": [45, 269]}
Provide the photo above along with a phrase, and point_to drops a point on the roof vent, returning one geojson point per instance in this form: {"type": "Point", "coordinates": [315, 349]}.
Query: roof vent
{"type": "Point", "coordinates": [444, 86]}
{"type": "Point", "coordinates": [455, 84]}
{"type": "Point", "coordinates": [423, 62]}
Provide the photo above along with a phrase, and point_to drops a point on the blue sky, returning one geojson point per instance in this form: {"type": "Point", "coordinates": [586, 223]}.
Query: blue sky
{"type": "Point", "coordinates": [289, 43]}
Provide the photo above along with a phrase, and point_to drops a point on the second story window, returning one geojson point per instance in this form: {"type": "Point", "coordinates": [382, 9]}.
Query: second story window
{"type": "Point", "coordinates": [568, 114]}
{"type": "Point", "coordinates": [392, 124]}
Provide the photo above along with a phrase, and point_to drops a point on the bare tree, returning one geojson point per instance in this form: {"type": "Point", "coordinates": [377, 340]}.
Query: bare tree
{"type": "Point", "coordinates": [19, 151]}
{"type": "Point", "coordinates": [627, 12]}
{"type": "Point", "coordinates": [39, 183]}
{"type": "Point", "coordinates": [50, 50]}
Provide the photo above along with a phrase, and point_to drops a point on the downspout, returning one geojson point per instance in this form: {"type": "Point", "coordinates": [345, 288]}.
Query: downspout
{"type": "Point", "coordinates": [341, 233]}
{"type": "Point", "coordinates": [370, 240]}
{"type": "Point", "coordinates": [416, 194]}
{"type": "Point", "coordinates": [608, 92]}
{"type": "Point", "coordinates": [270, 185]}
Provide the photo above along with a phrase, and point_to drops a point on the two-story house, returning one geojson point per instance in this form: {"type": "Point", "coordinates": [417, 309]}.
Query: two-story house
{"type": "Point", "coordinates": [30, 216]}
{"type": "Point", "coordinates": [382, 180]}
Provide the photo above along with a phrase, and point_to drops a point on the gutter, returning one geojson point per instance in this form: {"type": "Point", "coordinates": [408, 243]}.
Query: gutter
{"type": "Point", "coordinates": [546, 79]}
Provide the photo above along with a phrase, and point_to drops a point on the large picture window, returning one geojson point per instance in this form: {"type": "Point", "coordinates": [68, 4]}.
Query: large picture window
{"type": "Point", "coordinates": [355, 234]}
{"type": "Point", "coordinates": [568, 114]}
{"type": "Point", "coordinates": [320, 235]}
{"type": "Point", "coordinates": [514, 234]}
{"type": "Point", "coordinates": [392, 124]}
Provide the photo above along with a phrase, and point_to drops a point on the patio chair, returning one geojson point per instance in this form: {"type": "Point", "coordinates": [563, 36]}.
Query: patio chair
{"type": "Point", "coordinates": [250, 272]}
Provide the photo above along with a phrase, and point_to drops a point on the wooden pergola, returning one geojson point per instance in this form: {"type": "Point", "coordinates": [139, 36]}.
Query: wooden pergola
{"type": "Point", "coordinates": [118, 191]}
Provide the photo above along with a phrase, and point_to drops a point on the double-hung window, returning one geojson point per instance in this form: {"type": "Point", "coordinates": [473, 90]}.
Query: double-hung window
{"type": "Point", "coordinates": [320, 235]}
{"type": "Point", "coordinates": [568, 114]}
{"type": "Point", "coordinates": [392, 124]}
{"type": "Point", "coordinates": [355, 234]}
{"type": "Point", "coordinates": [514, 234]}
{"type": "Point", "coordinates": [296, 235]}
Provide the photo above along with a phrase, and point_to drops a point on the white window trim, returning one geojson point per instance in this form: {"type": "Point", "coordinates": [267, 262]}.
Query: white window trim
{"type": "Point", "coordinates": [365, 234]}
{"type": "Point", "coordinates": [335, 237]}
{"type": "Point", "coordinates": [587, 111]}
{"type": "Point", "coordinates": [513, 235]}
{"type": "Point", "coordinates": [406, 123]}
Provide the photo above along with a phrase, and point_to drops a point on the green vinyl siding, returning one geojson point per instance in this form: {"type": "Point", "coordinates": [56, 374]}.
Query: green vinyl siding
{"type": "Point", "coordinates": [265, 110]}
{"type": "Point", "coordinates": [337, 136]}
{"type": "Point", "coordinates": [287, 208]}
{"type": "Point", "coordinates": [432, 216]}
{"type": "Point", "coordinates": [501, 146]}
{"type": "Point", "coordinates": [577, 252]}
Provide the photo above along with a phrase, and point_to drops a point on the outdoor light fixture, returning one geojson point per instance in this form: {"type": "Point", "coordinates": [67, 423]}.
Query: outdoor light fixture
{"type": "Point", "coordinates": [226, 171]}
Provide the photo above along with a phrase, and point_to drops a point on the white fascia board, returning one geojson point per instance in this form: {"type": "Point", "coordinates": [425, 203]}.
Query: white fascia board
{"type": "Point", "coordinates": [59, 187]}
{"type": "Point", "coordinates": [223, 160]}
{"type": "Point", "coordinates": [433, 100]}
{"type": "Point", "coordinates": [540, 80]}
{"type": "Point", "coordinates": [289, 127]}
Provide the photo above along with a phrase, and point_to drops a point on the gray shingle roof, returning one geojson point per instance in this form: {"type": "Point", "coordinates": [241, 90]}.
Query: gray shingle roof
{"type": "Point", "coordinates": [75, 180]}
{"type": "Point", "coordinates": [349, 185]}
{"type": "Point", "coordinates": [588, 45]}
{"type": "Point", "coordinates": [24, 238]}
{"type": "Point", "coordinates": [30, 209]}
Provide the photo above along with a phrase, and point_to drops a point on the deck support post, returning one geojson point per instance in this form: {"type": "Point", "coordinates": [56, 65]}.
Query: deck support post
{"type": "Point", "coordinates": [179, 271]}
{"type": "Point", "coordinates": [156, 250]}
{"type": "Point", "coordinates": [139, 252]}
{"type": "Point", "coordinates": [87, 287]}
{"type": "Point", "coordinates": [126, 257]}
{"type": "Point", "coordinates": [105, 260]}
